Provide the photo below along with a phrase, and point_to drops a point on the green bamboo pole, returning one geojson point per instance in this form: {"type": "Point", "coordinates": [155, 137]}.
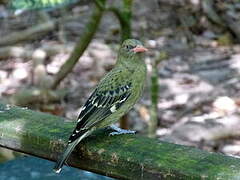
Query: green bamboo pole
{"type": "Point", "coordinates": [122, 157]}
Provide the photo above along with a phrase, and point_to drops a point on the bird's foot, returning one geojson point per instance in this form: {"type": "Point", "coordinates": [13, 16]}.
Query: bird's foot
{"type": "Point", "coordinates": [119, 131]}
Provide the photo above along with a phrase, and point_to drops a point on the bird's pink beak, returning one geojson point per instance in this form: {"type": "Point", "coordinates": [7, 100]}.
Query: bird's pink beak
{"type": "Point", "coordinates": [139, 49]}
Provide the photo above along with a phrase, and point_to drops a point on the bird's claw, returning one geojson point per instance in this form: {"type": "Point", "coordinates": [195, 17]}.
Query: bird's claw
{"type": "Point", "coordinates": [124, 132]}
{"type": "Point", "coordinates": [119, 131]}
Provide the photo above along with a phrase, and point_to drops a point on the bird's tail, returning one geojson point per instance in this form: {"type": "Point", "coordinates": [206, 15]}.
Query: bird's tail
{"type": "Point", "coordinates": [58, 166]}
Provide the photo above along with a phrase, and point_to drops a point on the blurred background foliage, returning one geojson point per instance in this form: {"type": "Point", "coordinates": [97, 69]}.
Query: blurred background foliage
{"type": "Point", "coordinates": [37, 4]}
{"type": "Point", "coordinates": [53, 53]}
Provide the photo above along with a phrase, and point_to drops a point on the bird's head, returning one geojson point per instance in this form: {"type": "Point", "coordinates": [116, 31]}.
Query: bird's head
{"type": "Point", "coordinates": [131, 50]}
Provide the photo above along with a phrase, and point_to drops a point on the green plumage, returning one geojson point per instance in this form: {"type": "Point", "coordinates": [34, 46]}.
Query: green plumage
{"type": "Point", "coordinates": [113, 97]}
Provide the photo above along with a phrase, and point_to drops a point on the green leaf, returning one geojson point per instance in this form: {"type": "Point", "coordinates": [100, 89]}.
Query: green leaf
{"type": "Point", "coordinates": [38, 4]}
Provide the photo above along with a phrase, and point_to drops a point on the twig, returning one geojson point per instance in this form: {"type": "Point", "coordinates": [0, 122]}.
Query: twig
{"type": "Point", "coordinates": [26, 97]}
{"type": "Point", "coordinates": [152, 128]}
{"type": "Point", "coordinates": [29, 34]}
{"type": "Point", "coordinates": [124, 16]}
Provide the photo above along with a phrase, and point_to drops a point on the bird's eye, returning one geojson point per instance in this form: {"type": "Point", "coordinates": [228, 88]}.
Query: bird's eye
{"type": "Point", "coordinates": [128, 47]}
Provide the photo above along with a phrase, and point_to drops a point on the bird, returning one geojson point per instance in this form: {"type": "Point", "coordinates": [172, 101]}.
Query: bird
{"type": "Point", "coordinates": [114, 96]}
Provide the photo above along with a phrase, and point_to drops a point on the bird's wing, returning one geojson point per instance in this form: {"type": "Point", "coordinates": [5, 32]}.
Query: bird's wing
{"type": "Point", "coordinates": [104, 101]}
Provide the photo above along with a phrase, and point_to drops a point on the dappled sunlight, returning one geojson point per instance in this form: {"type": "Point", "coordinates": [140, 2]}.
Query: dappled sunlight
{"type": "Point", "coordinates": [236, 62]}
{"type": "Point", "coordinates": [17, 125]}
{"type": "Point", "coordinates": [54, 53]}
